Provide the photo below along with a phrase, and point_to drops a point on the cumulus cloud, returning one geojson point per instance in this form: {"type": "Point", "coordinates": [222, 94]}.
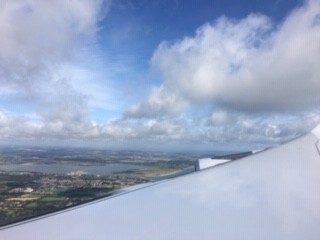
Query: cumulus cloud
{"type": "Point", "coordinates": [38, 38]}
{"type": "Point", "coordinates": [256, 132]}
{"type": "Point", "coordinates": [256, 81]}
{"type": "Point", "coordinates": [230, 69]}
{"type": "Point", "coordinates": [249, 64]}
{"type": "Point", "coordinates": [25, 23]}
{"type": "Point", "coordinates": [63, 128]}
{"type": "Point", "coordinates": [38, 35]}
{"type": "Point", "coordinates": [220, 117]}
{"type": "Point", "coordinates": [240, 133]}
{"type": "Point", "coordinates": [160, 102]}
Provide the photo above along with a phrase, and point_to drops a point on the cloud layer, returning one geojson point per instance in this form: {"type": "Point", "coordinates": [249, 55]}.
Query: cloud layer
{"type": "Point", "coordinates": [249, 64]}
{"type": "Point", "coordinates": [246, 82]}
{"type": "Point", "coordinates": [258, 82]}
{"type": "Point", "coordinates": [38, 39]}
{"type": "Point", "coordinates": [39, 35]}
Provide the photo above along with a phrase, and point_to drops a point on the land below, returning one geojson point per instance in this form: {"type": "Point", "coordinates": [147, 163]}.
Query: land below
{"type": "Point", "coordinates": [38, 181]}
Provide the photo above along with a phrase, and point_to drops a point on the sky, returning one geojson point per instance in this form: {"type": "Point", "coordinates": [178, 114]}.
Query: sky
{"type": "Point", "coordinates": [158, 75]}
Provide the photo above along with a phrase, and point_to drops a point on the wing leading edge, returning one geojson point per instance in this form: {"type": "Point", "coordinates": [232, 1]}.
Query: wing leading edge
{"type": "Point", "coordinates": [270, 195]}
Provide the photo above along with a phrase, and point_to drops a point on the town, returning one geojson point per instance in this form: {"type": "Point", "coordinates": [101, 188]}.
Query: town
{"type": "Point", "coordinates": [25, 195]}
{"type": "Point", "coordinates": [39, 181]}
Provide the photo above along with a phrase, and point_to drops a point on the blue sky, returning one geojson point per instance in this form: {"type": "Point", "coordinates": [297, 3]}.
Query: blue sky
{"type": "Point", "coordinates": [166, 75]}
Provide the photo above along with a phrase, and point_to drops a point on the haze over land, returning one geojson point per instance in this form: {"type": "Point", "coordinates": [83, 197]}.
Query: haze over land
{"type": "Point", "coordinates": [37, 181]}
{"type": "Point", "coordinates": [170, 75]}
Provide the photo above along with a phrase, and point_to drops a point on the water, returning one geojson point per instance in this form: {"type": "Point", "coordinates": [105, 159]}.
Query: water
{"type": "Point", "coordinates": [61, 169]}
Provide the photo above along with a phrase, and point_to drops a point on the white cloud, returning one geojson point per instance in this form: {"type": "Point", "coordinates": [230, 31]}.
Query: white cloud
{"type": "Point", "coordinates": [260, 81]}
{"type": "Point", "coordinates": [230, 69]}
{"type": "Point", "coordinates": [160, 102]}
{"type": "Point", "coordinates": [93, 84]}
{"type": "Point", "coordinates": [36, 31]}
{"type": "Point", "coordinates": [249, 64]}
{"type": "Point", "coordinates": [3, 118]}
{"type": "Point", "coordinates": [38, 39]}
{"type": "Point", "coordinates": [241, 132]}
{"type": "Point", "coordinates": [219, 117]}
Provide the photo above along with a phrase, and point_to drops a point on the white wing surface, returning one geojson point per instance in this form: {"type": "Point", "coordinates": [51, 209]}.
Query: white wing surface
{"type": "Point", "coordinates": [274, 194]}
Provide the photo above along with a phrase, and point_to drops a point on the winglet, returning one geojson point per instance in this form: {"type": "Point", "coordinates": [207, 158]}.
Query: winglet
{"type": "Point", "coordinates": [316, 131]}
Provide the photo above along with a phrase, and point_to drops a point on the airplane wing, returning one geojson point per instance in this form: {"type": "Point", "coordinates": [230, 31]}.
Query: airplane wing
{"type": "Point", "coordinates": [274, 194]}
